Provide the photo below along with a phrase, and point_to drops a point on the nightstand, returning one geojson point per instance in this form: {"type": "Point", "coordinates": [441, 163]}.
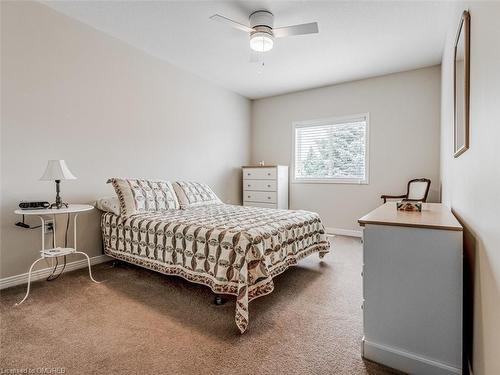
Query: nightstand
{"type": "Point", "coordinates": [56, 251]}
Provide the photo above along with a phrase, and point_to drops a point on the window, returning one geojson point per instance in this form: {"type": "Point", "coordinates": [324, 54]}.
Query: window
{"type": "Point", "coordinates": [331, 150]}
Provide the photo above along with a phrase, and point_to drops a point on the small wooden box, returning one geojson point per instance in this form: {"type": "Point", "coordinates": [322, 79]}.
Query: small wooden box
{"type": "Point", "coordinates": [409, 206]}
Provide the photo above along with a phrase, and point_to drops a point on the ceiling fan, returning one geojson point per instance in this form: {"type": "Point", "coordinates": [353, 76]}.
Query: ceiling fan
{"type": "Point", "coordinates": [262, 31]}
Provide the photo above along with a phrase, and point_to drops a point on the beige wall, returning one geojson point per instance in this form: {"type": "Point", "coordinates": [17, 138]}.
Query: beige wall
{"type": "Point", "coordinates": [404, 139]}
{"type": "Point", "coordinates": [71, 92]}
{"type": "Point", "coordinates": [471, 182]}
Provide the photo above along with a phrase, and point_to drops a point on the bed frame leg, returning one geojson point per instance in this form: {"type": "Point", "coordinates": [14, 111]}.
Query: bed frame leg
{"type": "Point", "coordinates": [219, 300]}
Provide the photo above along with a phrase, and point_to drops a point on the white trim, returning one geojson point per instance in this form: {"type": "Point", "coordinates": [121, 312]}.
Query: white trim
{"type": "Point", "coordinates": [345, 232]}
{"type": "Point", "coordinates": [329, 121]}
{"type": "Point", "coordinates": [43, 273]}
{"type": "Point", "coordinates": [352, 181]}
{"type": "Point", "coordinates": [405, 361]}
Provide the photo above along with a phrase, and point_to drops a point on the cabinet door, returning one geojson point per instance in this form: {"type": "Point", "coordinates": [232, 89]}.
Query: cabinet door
{"type": "Point", "coordinates": [259, 185]}
{"type": "Point", "coordinates": [260, 196]}
{"type": "Point", "coordinates": [259, 173]}
{"type": "Point", "coordinates": [412, 289]}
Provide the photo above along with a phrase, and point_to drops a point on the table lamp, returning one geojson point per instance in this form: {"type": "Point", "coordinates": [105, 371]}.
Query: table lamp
{"type": "Point", "coordinates": [57, 170]}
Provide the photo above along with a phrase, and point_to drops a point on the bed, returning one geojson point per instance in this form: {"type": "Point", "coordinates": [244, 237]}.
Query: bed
{"type": "Point", "coordinates": [232, 249]}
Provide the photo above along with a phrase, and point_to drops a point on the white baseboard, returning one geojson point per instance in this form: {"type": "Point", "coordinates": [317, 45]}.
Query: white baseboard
{"type": "Point", "coordinates": [345, 232]}
{"type": "Point", "coordinates": [43, 273]}
{"type": "Point", "coordinates": [407, 362]}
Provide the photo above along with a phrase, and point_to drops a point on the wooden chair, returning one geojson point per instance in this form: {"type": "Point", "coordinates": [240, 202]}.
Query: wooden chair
{"type": "Point", "coordinates": [417, 191]}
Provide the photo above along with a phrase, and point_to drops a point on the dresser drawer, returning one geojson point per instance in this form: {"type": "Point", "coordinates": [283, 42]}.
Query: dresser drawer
{"type": "Point", "coordinates": [259, 196]}
{"type": "Point", "coordinates": [261, 185]}
{"type": "Point", "coordinates": [259, 204]}
{"type": "Point", "coordinates": [259, 173]}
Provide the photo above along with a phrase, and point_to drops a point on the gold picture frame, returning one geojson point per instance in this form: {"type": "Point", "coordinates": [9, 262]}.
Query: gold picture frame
{"type": "Point", "coordinates": [461, 86]}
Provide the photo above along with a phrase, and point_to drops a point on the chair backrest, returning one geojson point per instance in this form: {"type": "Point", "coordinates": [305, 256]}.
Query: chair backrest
{"type": "Point", "coordinates": [418, 189]}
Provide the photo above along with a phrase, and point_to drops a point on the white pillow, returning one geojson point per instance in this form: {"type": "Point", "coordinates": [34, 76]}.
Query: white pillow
{"type": "Point", "coordinates": [108, 204]}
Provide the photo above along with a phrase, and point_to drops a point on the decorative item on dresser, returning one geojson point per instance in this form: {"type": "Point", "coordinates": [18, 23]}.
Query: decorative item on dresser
{"type": "Point", "coordinates": [265, 186]}
{"type": "Point", "coordinates": [412, 289]}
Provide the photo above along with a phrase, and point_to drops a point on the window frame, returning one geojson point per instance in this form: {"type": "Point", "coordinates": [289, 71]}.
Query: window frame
{"type": "Point", "coordinates": [333, 121]}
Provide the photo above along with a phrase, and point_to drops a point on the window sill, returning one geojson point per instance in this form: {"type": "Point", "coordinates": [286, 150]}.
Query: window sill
{"type": "Point", "coordinates": [330, 181]}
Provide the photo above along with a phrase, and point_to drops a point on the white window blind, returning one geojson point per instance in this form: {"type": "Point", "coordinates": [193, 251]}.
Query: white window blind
{"type": "Point", "coordinates": [331, 150]}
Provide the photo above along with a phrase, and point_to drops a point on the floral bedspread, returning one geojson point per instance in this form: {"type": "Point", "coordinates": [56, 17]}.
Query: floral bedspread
{"type": "Point", "coordinates": [232, 249]}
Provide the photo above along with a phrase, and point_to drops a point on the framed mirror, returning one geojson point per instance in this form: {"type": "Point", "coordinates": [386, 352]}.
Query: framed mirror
{"type": "Point", "coordinates": [461, 86]}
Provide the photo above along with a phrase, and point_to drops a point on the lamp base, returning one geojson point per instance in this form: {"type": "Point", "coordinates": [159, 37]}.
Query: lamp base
{"type": "Point", "coordinates": [58, 205]}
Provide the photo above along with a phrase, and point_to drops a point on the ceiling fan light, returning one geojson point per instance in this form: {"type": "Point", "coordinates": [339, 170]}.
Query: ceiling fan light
{"type": "Point", "coordinates": [261, 42]}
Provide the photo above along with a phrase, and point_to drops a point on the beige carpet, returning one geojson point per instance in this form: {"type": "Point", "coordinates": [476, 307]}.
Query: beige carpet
{"type": "Point", "coordinates": [141, 322]}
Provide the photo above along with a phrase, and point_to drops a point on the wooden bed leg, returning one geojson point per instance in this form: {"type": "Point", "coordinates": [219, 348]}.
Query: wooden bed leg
{"type": "Point", "coordinates": [219, 300]}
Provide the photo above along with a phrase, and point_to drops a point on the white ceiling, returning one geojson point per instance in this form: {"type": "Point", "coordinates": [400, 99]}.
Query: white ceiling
{"type": "Point", "coordinates": [356, 39]}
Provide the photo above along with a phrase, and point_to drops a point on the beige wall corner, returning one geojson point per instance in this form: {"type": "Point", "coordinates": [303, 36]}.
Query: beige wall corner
{"type": "Point", "coordinates": [471, 182]}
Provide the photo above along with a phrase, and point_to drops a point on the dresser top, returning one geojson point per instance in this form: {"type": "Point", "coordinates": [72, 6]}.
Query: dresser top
{"type": "Point", "coordinates": [263, 166]}
{"type": "Point", "coordinates": [433, 215]}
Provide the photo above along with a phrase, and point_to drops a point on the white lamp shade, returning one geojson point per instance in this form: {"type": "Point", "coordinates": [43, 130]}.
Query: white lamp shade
{"type": "Point", "coordinates": [57, 170]}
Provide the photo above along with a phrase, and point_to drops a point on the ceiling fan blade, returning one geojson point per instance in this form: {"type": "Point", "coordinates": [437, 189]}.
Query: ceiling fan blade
{"type": "Point", "coordinates": [305, 28]}
{"type": "Point", "coordinates": [229, 22]}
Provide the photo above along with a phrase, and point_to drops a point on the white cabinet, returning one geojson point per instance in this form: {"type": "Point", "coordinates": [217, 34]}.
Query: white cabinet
{"type": "Point", "coordinates": [412, 289]}
{"type": "Point", "coordinates": [266, 186]}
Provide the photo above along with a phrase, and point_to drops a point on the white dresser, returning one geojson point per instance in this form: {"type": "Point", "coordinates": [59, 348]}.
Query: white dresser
{"type": "Point", "coordinates": [412, 289]}
{"type": "Point", "coordinates": [266, 186]}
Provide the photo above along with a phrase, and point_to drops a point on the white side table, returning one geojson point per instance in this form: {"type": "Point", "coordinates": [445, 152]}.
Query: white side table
{"type": "Point", "coordinates": [56, 251]}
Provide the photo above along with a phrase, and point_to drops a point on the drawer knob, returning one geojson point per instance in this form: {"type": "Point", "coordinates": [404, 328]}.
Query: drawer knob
{"type": "Point", "coordinates": [249, 196]}
{"type": "Point", "coordinates": [268, 173]}
{"type": "Point", "coordinates": [268, 197]}
{"type": "Point", "coordinates": [268, 185]}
